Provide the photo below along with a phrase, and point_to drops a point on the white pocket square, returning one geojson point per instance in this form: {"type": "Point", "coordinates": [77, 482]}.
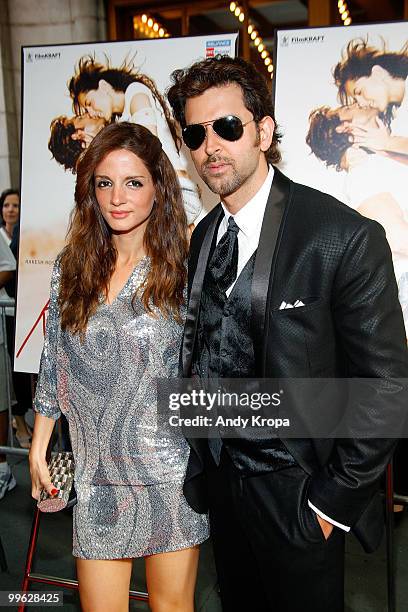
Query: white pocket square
{"type": "Point", "coordinates": [286, 305]}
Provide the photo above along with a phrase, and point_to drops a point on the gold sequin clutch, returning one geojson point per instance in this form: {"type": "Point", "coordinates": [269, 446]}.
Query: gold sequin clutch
{"type": "Point", "coordinates": [61, 468]}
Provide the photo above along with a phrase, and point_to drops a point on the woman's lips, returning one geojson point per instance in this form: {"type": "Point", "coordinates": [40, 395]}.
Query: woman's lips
{"type": "Point", "coordinates": [116, 214]}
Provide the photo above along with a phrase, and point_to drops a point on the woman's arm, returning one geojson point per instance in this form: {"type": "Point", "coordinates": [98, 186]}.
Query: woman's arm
{"type": "Point", "coordinates": [380, 140]}
{"type": "Point", "coordinates": [46, 400]}
{"type": "Point", "coordinates": [40, 476]}
{"type": "Point", "coordinates": [7, 263]}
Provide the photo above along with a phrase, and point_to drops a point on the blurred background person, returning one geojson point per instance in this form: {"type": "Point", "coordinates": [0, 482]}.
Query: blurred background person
{"type": "Point", "coordinates": [10, 215]}
{"type": "Point", "coordinates": [7, 268]}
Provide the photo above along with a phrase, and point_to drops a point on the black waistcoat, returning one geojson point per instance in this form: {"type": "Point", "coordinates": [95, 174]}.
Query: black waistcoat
{"type": "Point", "coordinates": [224, 349]}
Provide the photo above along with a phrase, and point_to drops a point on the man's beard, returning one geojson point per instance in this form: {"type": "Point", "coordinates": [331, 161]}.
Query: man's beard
{"type": "Point", "coordinates": [226, 186]}
{"type": "Point", "coordinates": [223, 186]}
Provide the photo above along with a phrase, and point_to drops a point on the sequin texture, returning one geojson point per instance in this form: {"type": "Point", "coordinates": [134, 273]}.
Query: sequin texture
{"type": "Point", "coordinates": [129, 468]}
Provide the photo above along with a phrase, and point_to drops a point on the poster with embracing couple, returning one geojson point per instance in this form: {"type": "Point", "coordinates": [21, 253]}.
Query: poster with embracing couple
{"type": "Point", "coordinates": [341, 100]}
{"type": "Point", "coordinates": [70, 92]}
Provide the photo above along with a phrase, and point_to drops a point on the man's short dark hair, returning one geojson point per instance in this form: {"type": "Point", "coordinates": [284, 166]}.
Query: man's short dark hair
{"type": "Point", "coordinates": [323, 139]}
{"type": "Point", "coordinates": [219, 71]}
{"type": "Point", "coordinates": [64, 149]}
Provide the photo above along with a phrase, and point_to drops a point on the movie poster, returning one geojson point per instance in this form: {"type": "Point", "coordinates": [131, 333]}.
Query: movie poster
{"type": "Point", "coordinates": [60, 117]}
{"type": "Point", "coordinates": [341, 99]}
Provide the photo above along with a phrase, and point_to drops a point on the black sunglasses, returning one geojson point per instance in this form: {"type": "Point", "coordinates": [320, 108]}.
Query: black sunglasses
{"type": "Point", "coordinates": [229, 128]}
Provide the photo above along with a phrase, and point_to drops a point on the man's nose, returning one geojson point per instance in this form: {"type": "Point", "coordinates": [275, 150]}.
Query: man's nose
{"type": "Point", "coordinates": [212, 141]}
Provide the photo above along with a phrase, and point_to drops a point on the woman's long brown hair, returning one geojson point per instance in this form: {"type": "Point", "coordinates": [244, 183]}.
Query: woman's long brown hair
{"type": "Point", "coordinates": [89, 258]}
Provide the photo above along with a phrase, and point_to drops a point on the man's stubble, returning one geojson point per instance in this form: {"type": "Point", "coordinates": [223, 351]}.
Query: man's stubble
{"type": "Point", "coordinates": [226, 186]}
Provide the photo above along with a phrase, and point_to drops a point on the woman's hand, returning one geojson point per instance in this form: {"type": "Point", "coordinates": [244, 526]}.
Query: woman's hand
{"type": "Point", "coordinates": [372, 138]}
{"type": "Point", "coordinates": [84, 136]}
{"type": "Point", "coordinates": [40, 477]}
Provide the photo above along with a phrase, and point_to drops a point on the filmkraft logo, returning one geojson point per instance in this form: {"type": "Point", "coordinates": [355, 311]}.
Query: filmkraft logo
{"type": "Point", "coordinates": [43, 56]}
{"type": "Point", "coordinates": [301, 40]}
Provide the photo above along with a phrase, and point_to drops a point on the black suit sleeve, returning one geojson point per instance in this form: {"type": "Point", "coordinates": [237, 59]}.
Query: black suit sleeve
{"type": "Point", "coordinates": [192, 259]}
{"type": "Point", "coordinates": [370, 328]}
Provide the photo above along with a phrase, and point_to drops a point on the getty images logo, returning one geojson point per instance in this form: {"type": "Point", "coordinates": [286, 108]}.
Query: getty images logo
{"type": "Point", "coordinates": [299, 40]}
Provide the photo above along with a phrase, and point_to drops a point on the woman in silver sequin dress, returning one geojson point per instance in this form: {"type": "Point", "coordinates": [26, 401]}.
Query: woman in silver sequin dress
{"type": "Point", "coordinates": [114, 326]}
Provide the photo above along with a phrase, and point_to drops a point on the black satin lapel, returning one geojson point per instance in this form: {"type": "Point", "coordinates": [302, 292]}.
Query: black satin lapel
{"type": "Point", "coordinates": [262, 280]}
{"type": "Point", "coordinates": [190, 328]}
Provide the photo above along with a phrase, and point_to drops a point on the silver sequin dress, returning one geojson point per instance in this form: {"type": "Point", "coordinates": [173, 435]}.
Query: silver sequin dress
{"type": "Point", "coordinates": [129, 470]}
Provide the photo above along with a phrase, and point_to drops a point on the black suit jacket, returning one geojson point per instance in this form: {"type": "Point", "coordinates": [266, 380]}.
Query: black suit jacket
{"type": "Point", "coordinates": [318, 250]}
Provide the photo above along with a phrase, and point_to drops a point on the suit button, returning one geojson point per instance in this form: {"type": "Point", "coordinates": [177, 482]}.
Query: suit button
{"type": "Point", "coordinates": [223, 352]}
{"type": "Point", "coordinates": [227, 311]}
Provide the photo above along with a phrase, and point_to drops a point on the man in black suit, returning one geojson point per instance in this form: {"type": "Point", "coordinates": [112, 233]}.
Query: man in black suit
{"type": "Point", "coordinates": [284, 282]}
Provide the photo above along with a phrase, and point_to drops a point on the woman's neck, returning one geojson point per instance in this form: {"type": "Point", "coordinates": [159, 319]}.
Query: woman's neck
{"type": "Point", "coordinates": [130, 247]}
{"type": "Point", "coordinates": [9, 227]}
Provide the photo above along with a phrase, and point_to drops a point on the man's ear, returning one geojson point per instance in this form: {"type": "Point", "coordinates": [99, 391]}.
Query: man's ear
{"type": "Point", "coordinates": [266, 130]}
